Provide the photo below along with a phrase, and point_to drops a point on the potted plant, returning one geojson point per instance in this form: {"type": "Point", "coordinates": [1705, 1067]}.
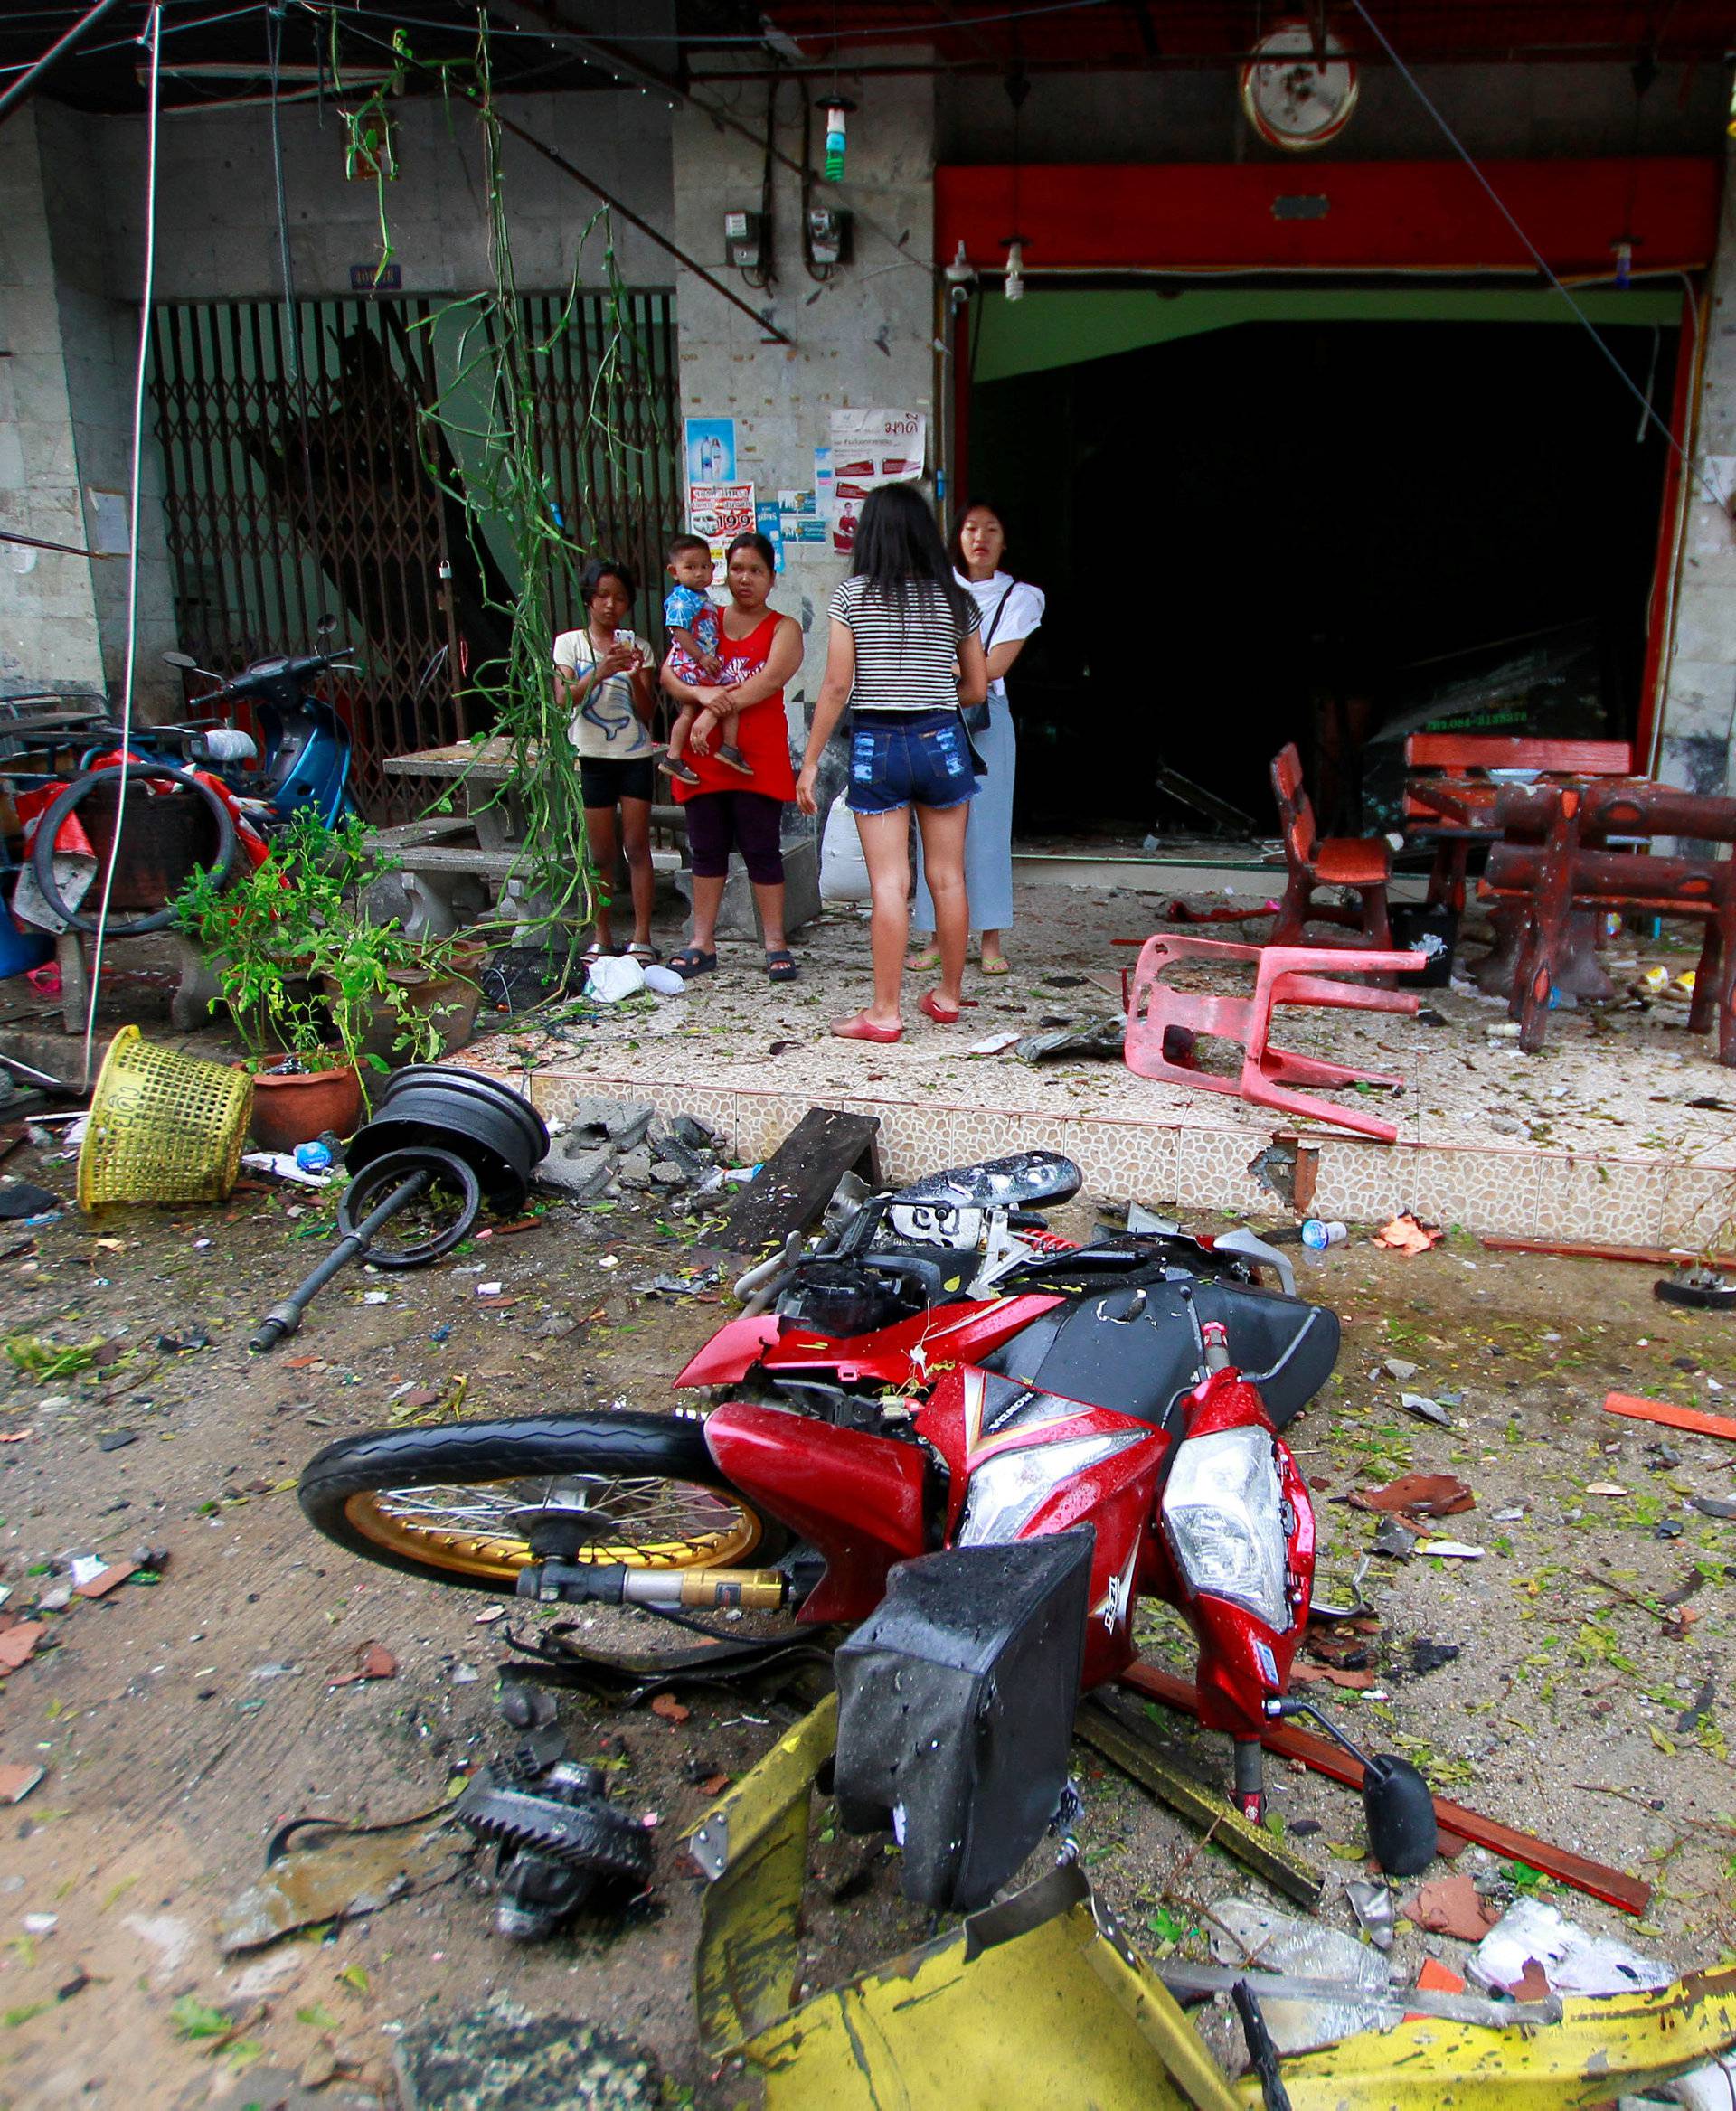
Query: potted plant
{"type": "Point", "coordinates": [320, 995]}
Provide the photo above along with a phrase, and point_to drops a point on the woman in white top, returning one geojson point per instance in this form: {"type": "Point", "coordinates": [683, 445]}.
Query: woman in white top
{"type": "Point", "coordinates": [1011, 609]}
{"type": "Point", "coordinates": [604, 674]}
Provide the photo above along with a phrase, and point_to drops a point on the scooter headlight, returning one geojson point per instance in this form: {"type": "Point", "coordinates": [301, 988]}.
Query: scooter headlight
{"type": "Point", "coordinates": [1224, 1517]}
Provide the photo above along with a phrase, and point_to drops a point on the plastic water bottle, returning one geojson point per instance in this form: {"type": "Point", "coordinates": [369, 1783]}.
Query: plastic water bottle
{"type": "Point", "coordinates": [314, 1157]}
{"type": "Point", "coordinates": [1320, 1233]}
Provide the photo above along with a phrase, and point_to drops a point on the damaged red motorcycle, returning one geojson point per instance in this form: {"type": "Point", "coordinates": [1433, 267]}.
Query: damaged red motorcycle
{"type": "Point", "coordinates": [977, 1445]}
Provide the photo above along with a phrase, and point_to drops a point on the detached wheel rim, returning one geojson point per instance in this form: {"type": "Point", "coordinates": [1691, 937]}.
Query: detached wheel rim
{"type": "Point", "coordinates": [476, 1528]}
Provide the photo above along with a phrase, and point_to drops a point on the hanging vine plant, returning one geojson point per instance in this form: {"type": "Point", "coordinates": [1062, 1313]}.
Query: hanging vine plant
{"type": "Point", "coordinates": [486, 412]}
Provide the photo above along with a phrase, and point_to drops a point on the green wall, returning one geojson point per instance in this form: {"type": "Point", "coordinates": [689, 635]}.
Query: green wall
{"type": "Point", "coordinates": [1061, 328]}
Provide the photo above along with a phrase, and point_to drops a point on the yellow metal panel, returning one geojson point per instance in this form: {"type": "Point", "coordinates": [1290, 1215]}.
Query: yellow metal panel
{"type": "Point", "coordinates": [1053, 2014]}
{"type": "Point", "coordinates": [1600, 2051]}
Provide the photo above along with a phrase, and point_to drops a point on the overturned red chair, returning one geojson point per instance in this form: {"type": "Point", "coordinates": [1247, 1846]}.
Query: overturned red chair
{"type": "Point", "coordinates": [1162, 1022]}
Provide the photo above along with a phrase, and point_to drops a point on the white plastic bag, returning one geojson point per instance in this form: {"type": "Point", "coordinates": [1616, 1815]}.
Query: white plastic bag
{"type": "Point", "coordinates": [613, 977]}
{"type": "Point", "coordinates": [843, 871]}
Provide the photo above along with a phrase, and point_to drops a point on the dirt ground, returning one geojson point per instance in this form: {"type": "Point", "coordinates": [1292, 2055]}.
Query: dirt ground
{"type": "Point", "coordinates": [181, 1723]}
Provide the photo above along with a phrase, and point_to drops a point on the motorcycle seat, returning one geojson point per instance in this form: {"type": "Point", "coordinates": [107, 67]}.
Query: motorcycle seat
{"type": "Point", "coordinates": [1134, 1350]}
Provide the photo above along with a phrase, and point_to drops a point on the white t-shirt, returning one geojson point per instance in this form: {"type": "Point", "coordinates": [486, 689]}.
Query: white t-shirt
{"type": "Point", "coordinates": [1022, 615]}
{"type": "Point", "coordinates": [605, 723]}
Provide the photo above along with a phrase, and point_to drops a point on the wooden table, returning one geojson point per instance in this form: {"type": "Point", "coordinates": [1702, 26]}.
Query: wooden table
{"type": "Point", "coordinates": [487, 841]}
{"type": "Point", "coordinates": [1549, 826]}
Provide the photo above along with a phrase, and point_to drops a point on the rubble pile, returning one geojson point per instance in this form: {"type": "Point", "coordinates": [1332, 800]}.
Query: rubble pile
{"type": "Point", "coordinates": [619, 1149]}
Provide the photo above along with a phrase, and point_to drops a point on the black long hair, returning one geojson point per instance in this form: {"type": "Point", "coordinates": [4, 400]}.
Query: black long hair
{"type": "Point", "coordinates": [899, 552]}
{"type": "Point", "coordinates": [602, 567]}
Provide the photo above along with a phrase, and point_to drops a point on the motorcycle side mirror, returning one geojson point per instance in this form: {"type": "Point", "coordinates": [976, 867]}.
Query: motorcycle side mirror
{"type": "Point", "coordinates": [184, 660]}
{"type": "Point", "coordinates": [1403, 1833]}
{"type": "Point", "coordinates": [326, 625]}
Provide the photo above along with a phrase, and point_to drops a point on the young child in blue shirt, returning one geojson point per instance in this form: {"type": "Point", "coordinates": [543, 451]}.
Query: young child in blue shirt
{"type": "Point", "coordinates": [690, 617]}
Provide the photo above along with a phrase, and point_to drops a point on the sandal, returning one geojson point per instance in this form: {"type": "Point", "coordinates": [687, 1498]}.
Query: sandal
{"type": "Point", "coordinates": [781, 966]}
{"type": "Point", "coordinates": [1000, 964]}
{"type": "Point", "coordinates": [942, 1014]}
{"type": "Point", "coordinates": [597, 951]}
{"type": "Point", "coordinates": [862, 1028]}
{"type": "Point", "coordinates": [925, 962]}
{"type": "Point", "coordinates": [643, 952]}
{"type": "Point", "coordinates": [690, 961]}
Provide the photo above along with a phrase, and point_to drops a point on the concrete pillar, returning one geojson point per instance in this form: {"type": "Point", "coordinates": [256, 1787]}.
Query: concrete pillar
{"type": "Point", "coordinates": [864, 339]}
{"type": "Point", "coordinates": [1700, 697]}
{"type": "Point", "coordinates": [68, 344]}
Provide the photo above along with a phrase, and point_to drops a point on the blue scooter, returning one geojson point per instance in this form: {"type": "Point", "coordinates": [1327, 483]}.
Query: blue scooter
{"type": "Point", "coordinates": [306, 744]}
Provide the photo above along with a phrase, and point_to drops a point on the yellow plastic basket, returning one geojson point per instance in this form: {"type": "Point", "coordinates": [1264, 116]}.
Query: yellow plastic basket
{"type": "Point", "coordinates": [164, 1126]}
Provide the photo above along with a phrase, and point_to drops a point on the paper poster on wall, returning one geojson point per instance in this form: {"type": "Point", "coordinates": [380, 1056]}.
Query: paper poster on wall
{"type": "Point", "coordinates": [770, 521]}
{"type": "Point", "coordinates": [823, 481]}
{"type": "Point", "coordinates": [869, 449]}
{"type": "Point", "coordinates": [711, 450]}
{"type": "Point", "coordinates": [799, 517]}
{"type": "Point", "coordinates": [720, 512]}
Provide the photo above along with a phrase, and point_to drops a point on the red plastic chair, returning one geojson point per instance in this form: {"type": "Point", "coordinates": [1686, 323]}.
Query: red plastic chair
{"type": "Point", "coordinates": [1362, 863]}
{"type": "Point", "coordinates": [1162, 1020]}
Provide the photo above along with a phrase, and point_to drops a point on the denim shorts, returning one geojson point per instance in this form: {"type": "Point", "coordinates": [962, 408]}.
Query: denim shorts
{"type": "Point", "coordinates": [908, 758]}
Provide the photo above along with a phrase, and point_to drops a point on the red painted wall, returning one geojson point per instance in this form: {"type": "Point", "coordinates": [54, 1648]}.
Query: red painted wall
{"type": "Point", "coordinates": [1397, 216]}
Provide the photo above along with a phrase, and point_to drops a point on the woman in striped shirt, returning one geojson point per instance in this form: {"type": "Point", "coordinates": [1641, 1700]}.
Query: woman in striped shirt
{"type": "Point", "coordinates": [905, 655]}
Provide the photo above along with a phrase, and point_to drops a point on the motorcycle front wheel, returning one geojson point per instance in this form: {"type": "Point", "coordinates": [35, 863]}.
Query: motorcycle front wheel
{"type": "Point", "coordinates": [473, 1504]}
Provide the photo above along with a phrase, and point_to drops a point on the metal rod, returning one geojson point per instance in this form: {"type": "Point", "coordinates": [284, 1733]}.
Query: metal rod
{"type": "Point", "coordinates": [23, 87]}
{"type": "Point", "coordinates": [284, 1318]}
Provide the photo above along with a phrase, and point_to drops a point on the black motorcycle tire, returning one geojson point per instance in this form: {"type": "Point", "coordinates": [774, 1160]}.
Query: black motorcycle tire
{"type": "Point", "coordinates": [41, 849]}
{"type": "Point", "coordinates": [338, 1485]}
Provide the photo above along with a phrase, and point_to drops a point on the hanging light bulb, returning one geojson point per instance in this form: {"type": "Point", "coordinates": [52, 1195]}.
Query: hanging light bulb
{"type": "Point", "coordinates": [1015, 267]}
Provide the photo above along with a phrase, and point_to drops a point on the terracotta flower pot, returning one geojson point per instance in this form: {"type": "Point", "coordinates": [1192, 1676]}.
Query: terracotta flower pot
{"type": "Point", "coordinates": [451, 1000]}
{"type": "Point", "coordinates": [291, 1110]}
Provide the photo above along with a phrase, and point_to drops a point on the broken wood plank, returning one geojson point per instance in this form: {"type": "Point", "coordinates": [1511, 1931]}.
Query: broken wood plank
{"type": "Point", "coordinates": [1613, 1886]}
{"type": "Point", "coordinates": [1650, 1257]}
{"type": "Point", "coordinates": [1694, 1419]}
{"type": "Point", "coordinates": [1125, 1741]}
{"type": "Point", "coordinates": [791, 1189]}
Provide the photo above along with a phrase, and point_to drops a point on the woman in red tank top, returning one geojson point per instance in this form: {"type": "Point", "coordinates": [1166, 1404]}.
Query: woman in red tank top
{"type": "Point", "coordinates": [725, 811]}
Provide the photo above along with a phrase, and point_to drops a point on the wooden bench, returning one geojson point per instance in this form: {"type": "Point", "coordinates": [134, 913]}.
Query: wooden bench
{"type": "Point", "coordinates": [1449, 793]}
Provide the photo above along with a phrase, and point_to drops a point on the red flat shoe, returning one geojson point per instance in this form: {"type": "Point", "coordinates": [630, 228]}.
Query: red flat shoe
{"type": "Point", "coordinates": [938, 1012]}
{"type": "Point", "coordinates": [863, 1028]}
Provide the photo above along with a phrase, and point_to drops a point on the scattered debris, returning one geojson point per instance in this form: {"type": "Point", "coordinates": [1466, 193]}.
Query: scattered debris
{"type": "Point", "coordinates": [372, 1662]}
{"type": "Point", "coordinates": [1452, 1906]}
{"type": "Point", "coordinates": [1372, 1903]}
{"type": "Point", "coordinates": [1428, 1656]}
{"type": "Point", "coordinates": [17, 1780]}
{"type": "Point", "coordinates": [359, 1870]}
{"type": "Point", "coordinates": [1405, 1235]}
{"type": "Point", "coordinates": [502, 2057]}
{"type": "Point", "coordinates": [1450, 1550]}
{"type": "Point", "coordinates": [1414, 1495]}
{"type": "Point", "coordinates": [791, 1190]}
{"type": "Point", "coordinates": [1694, 1419]}
{"type": "Point", "coordinates": [1103, 1037]}
{"type": "Point", "coordinates": [1244, 1933]}
{"type": "Point", "coordinates": [1393, 1538]}
{"type": "Point", "coordinates": [1426, 1409]}
{"type": "Point", "coordinates": [606, 1148]}
{"type": "Point", "coordinates": [1571, 1960]}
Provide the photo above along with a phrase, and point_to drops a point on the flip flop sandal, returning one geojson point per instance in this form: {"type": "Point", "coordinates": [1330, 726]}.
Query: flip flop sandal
{"type": "Point", "coordinates": [781, 966]}
{"type": "Point", "coordinates": [925, 962]}
{"type": "Point", "coordinates": [642, 953]}
{"type": "Point", "coordinates": [1000, 964]}
{"type": "Point", "coordinates": [862, 1029]}
{"type": "Point", "coordinates": [690, 961]}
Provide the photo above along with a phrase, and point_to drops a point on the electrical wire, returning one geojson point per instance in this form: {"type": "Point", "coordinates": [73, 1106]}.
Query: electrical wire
{"type": "Point", "coordinates": [1536, 254]}
{"type": "Point", "coordinates": [153, 33]}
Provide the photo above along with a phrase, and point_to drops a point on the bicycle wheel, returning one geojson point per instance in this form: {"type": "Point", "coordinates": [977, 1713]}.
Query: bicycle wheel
{"type": "Point", "coordinates": [472, 1504]}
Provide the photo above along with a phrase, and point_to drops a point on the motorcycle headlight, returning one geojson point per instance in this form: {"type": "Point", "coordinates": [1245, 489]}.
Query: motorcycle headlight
{"type": "Point", "coordinates": [1005, 1493]}
{"type": "Point", "coordinates": [1224, 1519]}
